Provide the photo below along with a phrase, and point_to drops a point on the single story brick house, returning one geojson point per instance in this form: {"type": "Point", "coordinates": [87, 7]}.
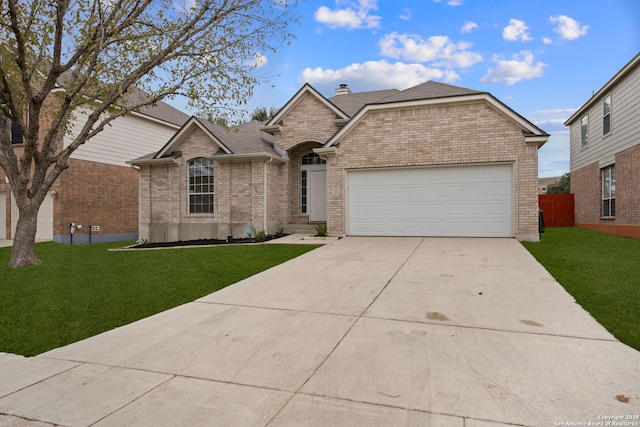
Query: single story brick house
{"type": "Point", "coordinates": [605, 156]}
{"type": "Point", "coordinates": [431, 160]}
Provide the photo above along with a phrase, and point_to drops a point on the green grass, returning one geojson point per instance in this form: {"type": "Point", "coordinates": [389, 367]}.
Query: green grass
{"type": "Point", "coordinates": [601, 271]}
{"type": "Point", "coordinates": [82, 290]}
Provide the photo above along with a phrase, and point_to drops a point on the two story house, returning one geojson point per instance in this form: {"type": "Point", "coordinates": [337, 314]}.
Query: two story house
{"type": "Point", "coordinates": [99, 190]}
{"type": "Point", "coordinates": [605, 156]}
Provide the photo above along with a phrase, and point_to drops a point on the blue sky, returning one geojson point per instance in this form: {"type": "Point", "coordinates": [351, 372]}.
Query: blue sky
{"type": "Point", "coordinates": [542, 58]}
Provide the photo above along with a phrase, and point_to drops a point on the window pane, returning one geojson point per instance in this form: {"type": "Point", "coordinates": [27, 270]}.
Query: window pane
{"type": "Point", "coordinates": [609, 191]}
{"type": "Point", "coordinates": [612, 185]}
{"type": "Point", "coordinates": [16, 135]}
{"type": "Point", "coordinates": [201, 187]}
{"type": "Point", "coordinates": [606, 115]}
{"type": "Point", "coordinates": [606, 125]}
{"type": "Point", "coordinates": [584, 128]}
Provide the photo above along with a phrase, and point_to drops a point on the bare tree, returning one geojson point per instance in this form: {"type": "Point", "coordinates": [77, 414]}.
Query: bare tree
{"type": "Point", "coordinates": [61, 60]}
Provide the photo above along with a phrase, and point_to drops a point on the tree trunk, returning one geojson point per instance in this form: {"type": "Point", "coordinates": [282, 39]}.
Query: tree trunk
{"type": "Point", "coordinates": [23, 251]}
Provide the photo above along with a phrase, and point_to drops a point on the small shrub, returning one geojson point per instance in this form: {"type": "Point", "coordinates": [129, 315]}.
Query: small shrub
{"type": "Point", "coordinates": [321, 229]}
{"type": "Point", "coordinates": [260, 236]}
{"type": "Point", "coordinates": [280, 232]}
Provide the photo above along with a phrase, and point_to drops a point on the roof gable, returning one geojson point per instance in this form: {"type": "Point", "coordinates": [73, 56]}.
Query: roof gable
{"type": "Point", "coordinates": [184, 131]}
{"type": "Point", "coordinates": [246, 139]}
{"type": "Point", "coordinates": [305, 89]}
{"type": "Point", "coordinates": [533, 134]}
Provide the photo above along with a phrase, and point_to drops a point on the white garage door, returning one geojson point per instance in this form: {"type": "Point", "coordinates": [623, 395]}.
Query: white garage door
{"type": "Point", "coordinates": [469, 201]}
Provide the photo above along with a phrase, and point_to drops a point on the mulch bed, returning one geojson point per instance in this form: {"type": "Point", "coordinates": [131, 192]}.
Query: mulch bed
{"type": "Point", "coordinates": [199, 242]}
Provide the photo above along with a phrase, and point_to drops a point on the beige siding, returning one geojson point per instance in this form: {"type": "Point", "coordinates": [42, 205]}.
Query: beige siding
{"type": "Point", "coordinates": [127, 138]}
{"type": "Point", "coordinates": [625, 125]}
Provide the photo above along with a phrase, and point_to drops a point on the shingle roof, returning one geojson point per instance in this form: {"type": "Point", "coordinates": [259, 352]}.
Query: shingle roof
{"type": "Point", "coordinates": [160, 111]}
{"type": "Point", "coordinates": [245, 138]}
{"type": "Point", "coordinates": [428, 90]}
{"type": "Point", "coordinates": [165, 112]}
{"type": "Point", "coordinates": [351, 103]}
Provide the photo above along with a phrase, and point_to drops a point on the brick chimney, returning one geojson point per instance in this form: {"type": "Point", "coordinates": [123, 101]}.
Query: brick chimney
{"type": "Point", "coordinates": [343, 90]}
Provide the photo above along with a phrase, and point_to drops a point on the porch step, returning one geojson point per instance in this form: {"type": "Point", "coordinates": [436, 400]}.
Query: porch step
{"type": "Point", "coordinates": [302, 228]}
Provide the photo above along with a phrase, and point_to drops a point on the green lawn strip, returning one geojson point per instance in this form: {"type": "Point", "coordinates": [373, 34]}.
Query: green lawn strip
{"type": "Point", "coordinates": [82, 290]}
{"type": "Point", "coordinates": [601, 271]}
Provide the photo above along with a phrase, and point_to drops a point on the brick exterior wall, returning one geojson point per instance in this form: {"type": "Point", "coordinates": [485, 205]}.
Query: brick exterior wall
{"type": "Point", "coordinates": [443, 135]}
{"type": "Point", "coordinates": [437, 135]}
{"type": "Point", "coordinates": [90, 193]}
{"type": "Point", "coordinates": [628, 186]}
{"type": "Point", "coordinates": [586, 184]}
{"type": "Point", "coordinates": [238, 196]}
{"type": "Point", "coordinates": [308, 121]}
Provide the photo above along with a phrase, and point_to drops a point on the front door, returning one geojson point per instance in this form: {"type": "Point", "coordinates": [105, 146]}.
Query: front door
{"type": "Point", "coordinates": [318, 195]}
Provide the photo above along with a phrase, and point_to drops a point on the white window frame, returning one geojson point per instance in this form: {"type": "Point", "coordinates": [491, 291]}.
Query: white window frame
{"type": "Point", "coordinates": [584, 130]}
{"type": "Point", "coordinates": [606, 115]}
{"type": "Point", "coordinates": [201, 189]}
{"type": "Point", "coordinates": [609, 191]}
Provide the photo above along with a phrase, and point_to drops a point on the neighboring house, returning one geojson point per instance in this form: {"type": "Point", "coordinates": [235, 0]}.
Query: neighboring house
{"type": "Point", "coordinates": [543, 183]}
{"type": "Point", "coordinates": [98, 188]}
{"type": "Point", "coordinates": [605, 156]}
{"type": "Point", "coordinates": [432, 160]}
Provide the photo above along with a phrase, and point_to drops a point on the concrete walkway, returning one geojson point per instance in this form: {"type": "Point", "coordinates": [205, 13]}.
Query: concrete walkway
{"type": "Point", "coordinates": [360, 332]}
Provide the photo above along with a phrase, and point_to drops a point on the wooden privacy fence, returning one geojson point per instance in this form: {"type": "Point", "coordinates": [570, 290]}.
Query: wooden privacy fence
{"type": "Point", "coordinates": [557, 209]}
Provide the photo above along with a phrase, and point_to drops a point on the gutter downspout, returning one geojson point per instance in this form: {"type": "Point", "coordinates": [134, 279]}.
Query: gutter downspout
{"type": "Point", "coordinates": [264, 194]}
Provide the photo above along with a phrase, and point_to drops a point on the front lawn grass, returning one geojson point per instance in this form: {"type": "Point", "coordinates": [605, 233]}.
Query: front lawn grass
{"type": "Point", "coordinates": [601, 271]}
{"type": "Point", "coordinates": [83, 290]}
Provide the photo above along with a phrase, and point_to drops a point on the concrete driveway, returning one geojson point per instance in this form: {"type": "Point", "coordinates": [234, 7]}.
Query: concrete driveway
{"type": "Point", "coordinates": [360, 332]}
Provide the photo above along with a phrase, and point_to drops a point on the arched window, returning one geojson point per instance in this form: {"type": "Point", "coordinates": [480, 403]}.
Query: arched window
{"type": "Point", "coordinates": [312, 159]}
{"type": "Point", "coordinates": [200, 186]}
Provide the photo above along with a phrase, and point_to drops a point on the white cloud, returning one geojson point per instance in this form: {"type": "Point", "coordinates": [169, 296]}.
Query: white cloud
{"type": "Point", "coordinates": [356, 15]}
{"type": "Point", "coordinates": [568, 28]}
{"type": "Point", "coordinates": [375, 75]}
{"type": "Point", "coordinates": [516, 30]}
{"type": "Point", "coordinates": [182, 6]}
{"type": "Point", "coordinates": [438, 49]}
{"type": "Point", "coordinates": [468, 27]}
{"type": "Point", "coordinates": [510, 71]}
{"type": "Point", "coordinates": [547, 40]}
{"type": "Point", "coordinates": [406, 14]}
{"type": "Point", "coordinates": [452, 2]}
{"type": "Point", "coordinates": [258, 60]}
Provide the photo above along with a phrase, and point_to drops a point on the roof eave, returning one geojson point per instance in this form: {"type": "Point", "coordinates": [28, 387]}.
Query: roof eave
{"type": "Point", "coordinates": [538, 140]}
{"type": "Point", "coordinates": [243, 157]}
{"type": "Point", "coordinates": [271, 129]}
{"type": "Point", "coordinates": [152, 162]}
{"type": "Point", "coordinates": [606, 88]}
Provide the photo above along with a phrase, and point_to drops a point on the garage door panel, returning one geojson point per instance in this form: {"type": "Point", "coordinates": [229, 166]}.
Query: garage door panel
{"type": "Point", "coordinates": [451, 201]}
